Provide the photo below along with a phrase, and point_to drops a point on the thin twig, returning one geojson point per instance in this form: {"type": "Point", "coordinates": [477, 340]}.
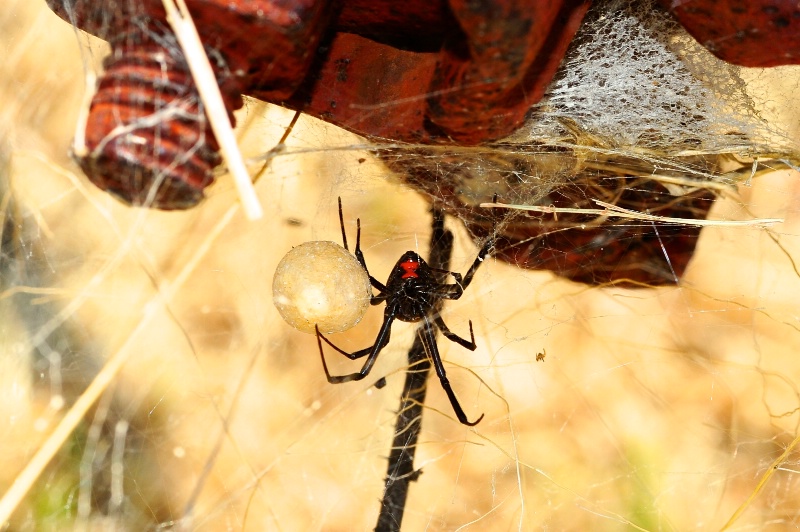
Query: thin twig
{"type": "Point", "coordinates": [180, 20]}
{"type": "Point", "coordinates": [762, 483]}
{"type": "Point", "coordinates": [400, 472]}
{"type": "Point", "coordinates": [278, 148]}
{"type": "Point", "coordinates": [614, 211]}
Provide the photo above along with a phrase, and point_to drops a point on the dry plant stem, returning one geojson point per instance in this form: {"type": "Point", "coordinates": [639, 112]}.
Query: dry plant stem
{"type": "Point", "coordinates": [765, 478]}
{"type": "Point", "coordinates": [79, 148]}
{"type": "Point", "coordinates": [400, 472]}
{"type": "Point", "coordinates": [180, 20]}
{"type": "Point", "coordinates": [612, 211]}
{"type": "Point", "coordinates": [278, 148]}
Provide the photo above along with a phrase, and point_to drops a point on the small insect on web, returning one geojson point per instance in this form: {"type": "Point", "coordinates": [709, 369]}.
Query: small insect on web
{"type": "Point", "coordinates": [412, 293]}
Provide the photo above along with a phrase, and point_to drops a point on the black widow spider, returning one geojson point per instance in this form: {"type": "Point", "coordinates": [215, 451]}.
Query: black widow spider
{"type": "Point", "coordinates": [412, 293]}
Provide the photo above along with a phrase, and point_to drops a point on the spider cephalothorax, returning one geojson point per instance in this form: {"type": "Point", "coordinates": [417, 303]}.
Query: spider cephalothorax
{"type": "Point", "coordinates": [414, 292]}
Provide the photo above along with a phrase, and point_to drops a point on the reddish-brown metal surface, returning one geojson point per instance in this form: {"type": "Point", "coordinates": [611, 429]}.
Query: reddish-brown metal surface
{"type": "Point", "coordinates": [587, 248]}
{"type": "Point", "coordinates": [752, 33]}
{"type": "Point", "coordinates": [148, 140]}
{"type": "Point", "coordinates": [619, 252]}
{"type": "Point", "coordinates": [473, 90]}
{"type": "Point", "coordinates": [422, 70]}
{"type": "Point", "coordinates": [458, 72]}
{"type": "Point", "coordinates": [267, 44]}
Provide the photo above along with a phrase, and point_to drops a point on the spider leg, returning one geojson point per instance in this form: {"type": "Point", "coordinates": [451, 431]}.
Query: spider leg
{"type": "Point", "coordinates": [352, 356]}
{"type": "Point", "coordinates": [455, 291]}
{"type": "Point", "coordinates": [453, 337]}
{"type": "Point", "coordinates": [429, 341]}
{"type": "Point", "coordinates": [487, 247]}
{"type": "Point", "coordinates": [341, 224]}
{"type": "Point", "coordinates": [360, 255]}
{"type": "Point", "coordinates": [451, 291]}
{"type": "Point", "coordinates": [380, 298]}
{"type": "Point", "coordinates": [373, 351]}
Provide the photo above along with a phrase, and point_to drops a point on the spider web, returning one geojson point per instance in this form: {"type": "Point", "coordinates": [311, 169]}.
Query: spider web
{"type": "Point", "coordinates": [657, 408]}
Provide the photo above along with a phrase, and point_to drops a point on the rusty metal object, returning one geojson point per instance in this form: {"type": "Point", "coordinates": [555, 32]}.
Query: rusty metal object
{"type": "Point", "coordinates": [148, 139]}
{"type": "Point", "coordinates": [624, 253]}
{"type": "Point", "coordinates": [762, 33]}
{"type": "Point", "coordinates": [146, 132]}
{"type": "Point", "coordinates": [586, 248]}
{"type": "Point", "coordinates": [433, 71]}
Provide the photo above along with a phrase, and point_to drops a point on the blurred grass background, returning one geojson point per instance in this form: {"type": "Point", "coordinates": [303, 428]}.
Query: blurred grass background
{"type": "Point", "coordinates": [653, 409]}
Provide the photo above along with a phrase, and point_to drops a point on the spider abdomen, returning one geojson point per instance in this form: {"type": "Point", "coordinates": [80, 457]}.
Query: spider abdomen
{"type": "Point", "coordinates": [412, 284]}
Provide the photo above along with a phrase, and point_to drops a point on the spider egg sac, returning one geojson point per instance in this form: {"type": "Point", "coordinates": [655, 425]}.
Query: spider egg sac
{"type": "Point", "coordinates": [321, 283]}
